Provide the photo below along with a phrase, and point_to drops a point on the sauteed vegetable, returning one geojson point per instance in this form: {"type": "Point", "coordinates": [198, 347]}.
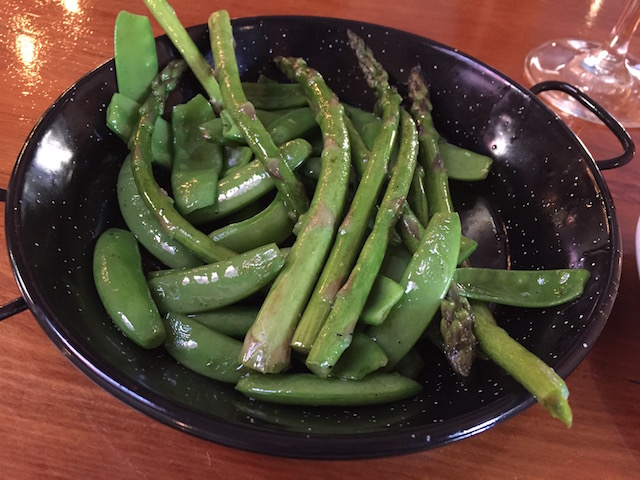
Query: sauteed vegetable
{"type": "Point", "coordinates": [268, 211]}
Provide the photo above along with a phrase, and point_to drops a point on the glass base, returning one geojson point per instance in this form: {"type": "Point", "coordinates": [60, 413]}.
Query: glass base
{"type": "Point", "coordinates": [612, 82]}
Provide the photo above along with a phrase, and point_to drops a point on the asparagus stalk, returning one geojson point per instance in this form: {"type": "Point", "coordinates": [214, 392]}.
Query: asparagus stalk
{"type": "Point", "coordinates": [168, 20]}
{"type": "Point", "coordinates": [531, 372]}
{"type": "Point", "coordinates": [155, 197]}
{"type": "Point", "coordinates": [337, 332]}
{"type": "Point", "coordinates": [456, 327]}
{"type": "Point", "coordinates": [243, 113]}
{"type": "Point", "coordinates": [354, 227]}
{"type": "Point", "coordinates": [436, 179]}
{"type": "Point", "coordinates": [266, 346]}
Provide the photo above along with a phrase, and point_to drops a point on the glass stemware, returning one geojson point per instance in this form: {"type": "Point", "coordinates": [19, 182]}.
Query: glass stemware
{"type": "Point", "coordinates": [603, 70]}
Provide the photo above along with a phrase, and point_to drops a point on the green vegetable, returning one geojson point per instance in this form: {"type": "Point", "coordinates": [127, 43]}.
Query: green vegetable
{"type": "Point", "coordinates": [353, 229]}
{"type": "Point", "coordinates": [217, 284]}
{"type": "Point", "coordinates": [456, 327]}
{"type": "Point", "coordinates": [146, 226]}
{"type": "Point", "coordinates": [166, 17]}
{"type": "Point", "coordinates": [155, 197]}
{"type": "Point", "coordinates": [363, 357]}
{"type": "Point", "coordinates": [234, 320]}
{"type": "Point", "coordinates": [425, 282]}
{"type": "Point", "coordinates": [196, 163]}
{"type": "Point", "coordinates": [531, 372]}
{"type": "Point", "coordinates": [202, 349]}
{"type": "Point", "coordinates": [436, 179]}
{"type": "Point", "coordinates": [522, 288]}
{"type": "Point", "coordinates": [309, 389]}
{"type": "Point", "coordinates": [122, 287]}
{"type": "Point", "coordinates": [135, 55]}
{"type": "Point", "coordinates": [271, 225]}
{"type": "Point", "coordinates": [336, 333]}
{"type": "Point", "coordinates": [384, 294]}
{"type": "Point", "coordinates": [463, 164]}
{"type": "Point", "coordinates": [274, 95]}
{"type": "Point", "coordinates": [266, 346]}
{"type": "Point", "coordinates": [249, 183]}
{"type": "Point", "coordinates": [244, 115]}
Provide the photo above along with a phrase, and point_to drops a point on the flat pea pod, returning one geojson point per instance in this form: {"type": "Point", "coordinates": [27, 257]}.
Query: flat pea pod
{"type": "Point", "coordinates": [248, 183]}
{"type": "Point", "coordinates": [271, 225]}
{"type": "Point", "coordinates": [309, 389]}
{"type": "Point", "coordinates": [122, 288]}
{"type": "Point", "coordinates": [135, 55]}
{"type": "Point", "coordinates": [202, 349]}
{"type": "Point", "coordinates": [363, 357]}
{"type": "Point", "coordinates": [522, 288]}
{"type": "Point", "coordinates": [145, 224]}
{"type": "Point", "coordinates": [215, 285]}
{"type": "Point", "coordinates": [234, 320]}
{"type": "Point", "coordinates": [274, 95]}
{"type": "Point", "coordinates": [425, 282]}
{"type": "Point", "coordinates": [463, 164]}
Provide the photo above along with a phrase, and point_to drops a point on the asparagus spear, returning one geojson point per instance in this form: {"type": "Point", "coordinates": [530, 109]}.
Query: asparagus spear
{"type": "Point", "coordinates": [456, 327]}
{"type": "Point", "coordinates": [168, 20]}
{"type": "Point", "coordinates": [244, 115]}
{"type": "Point", "coordinates": [266, 345]}
{"type": "Point", "coordinates": [156, 199]}
{"type": "Point", "coordinates": [436, 180]}
{"type": "Point", "coordinates": [531, 372]}
{"type": "Point", "coordinates": [354, 227]}
{"type": "Point", "coordinates": [337, 331]}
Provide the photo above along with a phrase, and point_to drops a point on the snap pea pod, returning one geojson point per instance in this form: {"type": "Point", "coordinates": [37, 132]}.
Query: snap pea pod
{"type": "Point", "coordinates": [363, 357]}
{"type": "Point", "coordinates": [244, 116]}
{"type": "Point", "coordinates": [271, 225]}
{"type": "Point", "coordinates": [294, 124]}
{"type": "Point", "coordinates": [425, 283]}
{"type": "Point", "coordinates": [214, 131]}
{"type": "Point", "coordinates": [234, 320]}
{"type": "Point", "coordinates": [463, 164]}
{"type": "Point", "coordinates": [522, 288]}
{"type": "Point", "coordinates": [202, 349]}
{"type": "Point", "coordinates": [155, 197]}
{"type": "Point", "coordinates": [135, 55]}
{"type": "Point", "coordinates": [531, 372]}
{"type": "Point", "coordinates": [309, 389]}
{"type": "Point", "coordinates": [122, 117]}
{"type": "Point", "coordinates": [145, 225]}
{"type": "Point", "coordinates": [353, 228]}
{"type": "Point", "coordinates": [166, 16]}
{"type": "Point", "coordinates": [336, 333]}
{"type": "Point", "coordinates": [247, 184]}
{"type": "Point", "coordinates": [196, 163]}
{"type": "Point", "coordinates": [266, 346]}
{"type": "Point", "coordinates": [274, 95]}
{"type": "Point", "coordinates": [235, 157]}
{"type": "Point", "coordinates": [122, 288]}
{"type": "Point", "coordinates": [215, 285]}
{"type": "Point", "coordinates": [385, 293]}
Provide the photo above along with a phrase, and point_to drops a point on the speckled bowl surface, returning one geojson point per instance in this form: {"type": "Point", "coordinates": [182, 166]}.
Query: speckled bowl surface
{"type": "Point", "coordinates": [544, 205]}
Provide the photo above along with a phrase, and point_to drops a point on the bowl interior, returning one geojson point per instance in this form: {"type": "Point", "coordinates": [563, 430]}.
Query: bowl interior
{"type": "Point", "coordinates": [544, 205]}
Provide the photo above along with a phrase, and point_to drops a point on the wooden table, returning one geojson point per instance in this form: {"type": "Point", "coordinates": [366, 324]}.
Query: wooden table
{"type": "Point", "coordinates": [56, 423]}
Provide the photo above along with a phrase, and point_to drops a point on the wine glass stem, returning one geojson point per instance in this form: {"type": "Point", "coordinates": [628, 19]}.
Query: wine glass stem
{"type": "Point", "coordinates": [624, 29]}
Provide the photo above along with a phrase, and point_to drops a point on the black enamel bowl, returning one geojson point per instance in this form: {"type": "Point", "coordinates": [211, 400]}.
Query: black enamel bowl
{"type": "Point", "coordinates": [544, 205]}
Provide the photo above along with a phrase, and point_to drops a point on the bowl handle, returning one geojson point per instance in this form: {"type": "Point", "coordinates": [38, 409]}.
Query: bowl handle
{"type": "Point", "coordinates": [616, 128]}
{"type": "Point", "coordinates": [18, 305]}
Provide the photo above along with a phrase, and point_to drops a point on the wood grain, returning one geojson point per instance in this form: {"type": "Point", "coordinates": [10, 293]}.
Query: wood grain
{"type": "Point", "coordinates": [56, 423]}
